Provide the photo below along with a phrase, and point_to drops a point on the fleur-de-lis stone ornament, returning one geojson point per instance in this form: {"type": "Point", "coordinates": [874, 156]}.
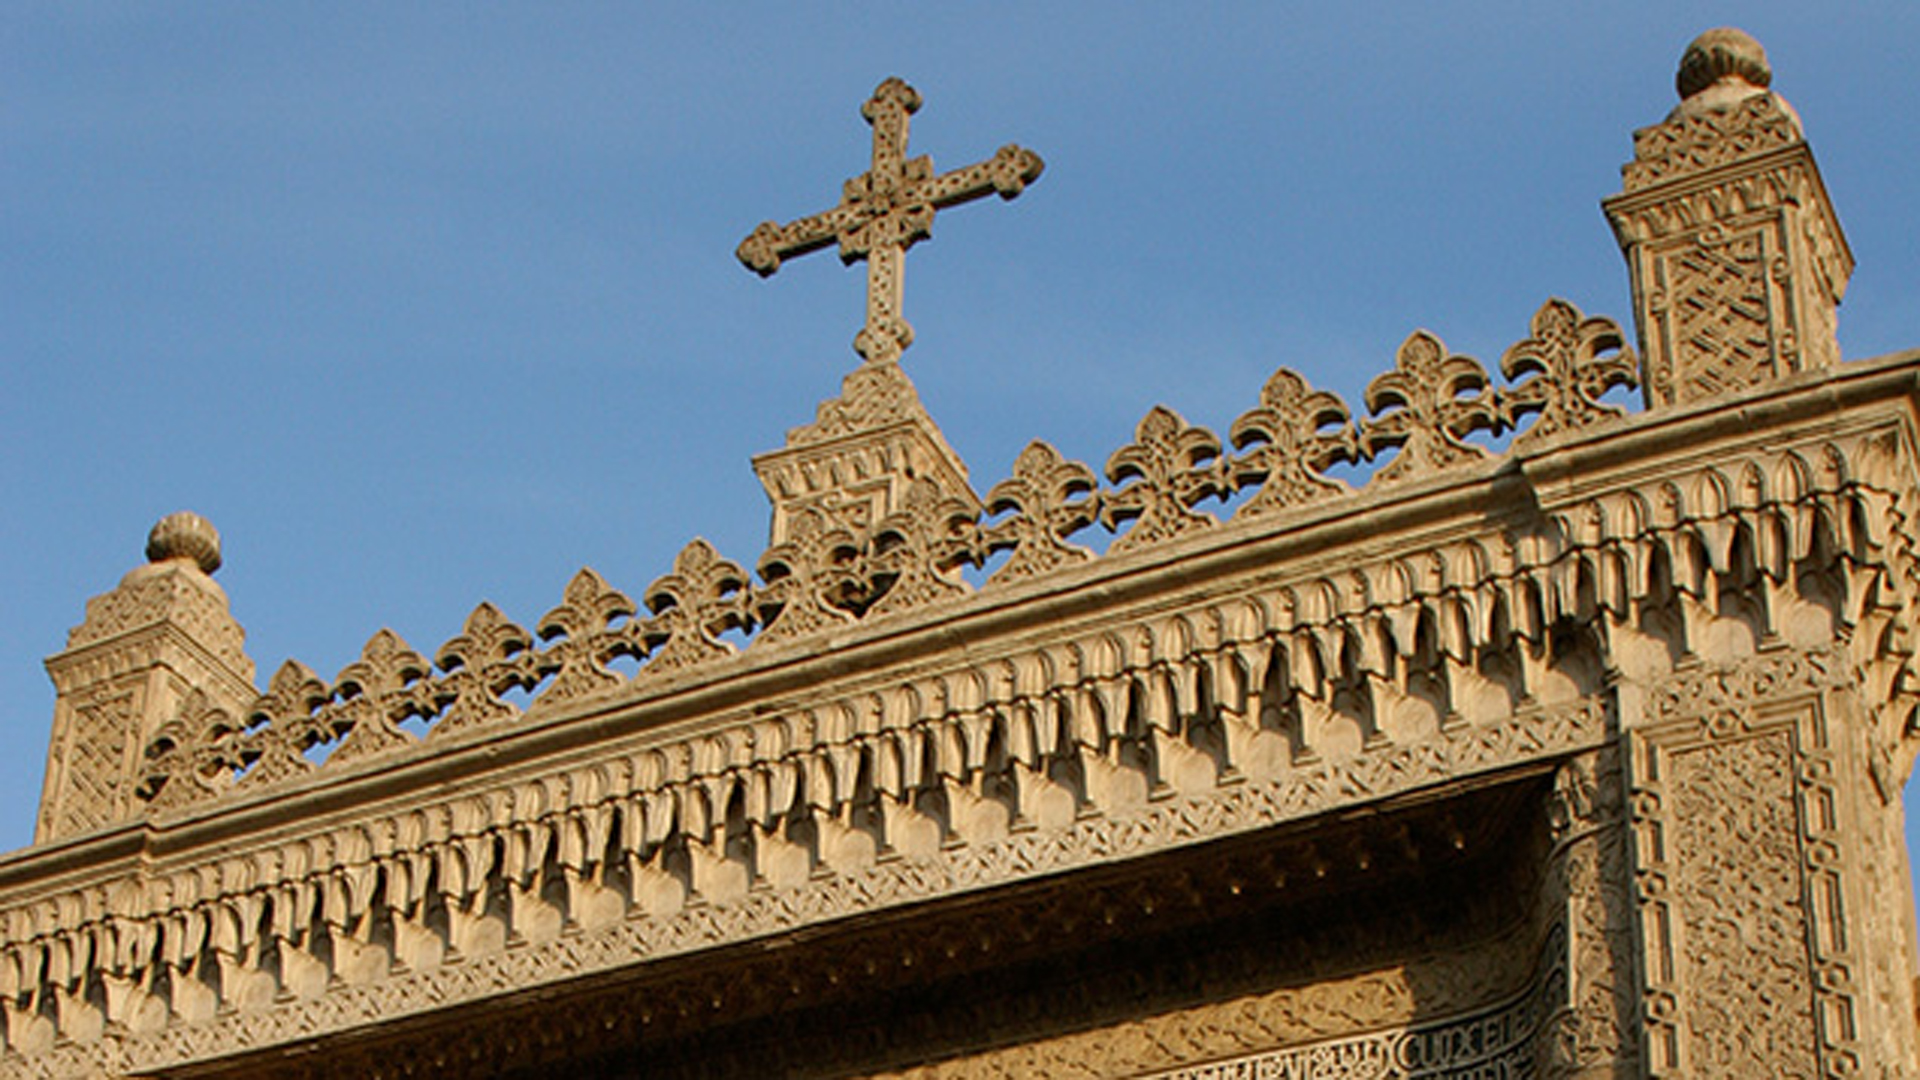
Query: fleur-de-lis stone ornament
{"type": "Point", "coordinates": [1426, 406]}
{"type": "Point", "coordinates": [917, 548]}
{"type": "Point", "coordinates": [286, 722]}
{"type": "Point", "coordinates": [1291, 444]}
{"type": "Point", "coordinates": [489, 656]}
{"type": "Point", "coordinates": [1567, 365]}
{"type": "Point", "coordinates": [809, 578]}
{"type": "Point", "coordinates": [1046, 500]}
{"type": "Point", "coordinates": [191, 757]}
{"type": "Point", "coordinates": [1167, 464]}
{"type": "Point", "coordinates": [704, 596]}
{"type": "Point", "coordinates": [578, 660]}
{"type": "Point", "coordinates": [373, 696]}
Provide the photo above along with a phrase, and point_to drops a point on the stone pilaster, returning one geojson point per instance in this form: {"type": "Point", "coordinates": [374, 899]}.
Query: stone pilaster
{"type": "Point", "coordinates": [1737, 259]}
{"type": "Point", "coordinates": [143, 647]}
{"type": "Point", "coordinates": [1765, 871]}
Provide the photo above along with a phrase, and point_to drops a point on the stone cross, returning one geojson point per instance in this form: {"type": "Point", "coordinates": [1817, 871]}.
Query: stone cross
{"type": "Point", "coordinates": [884, 211]}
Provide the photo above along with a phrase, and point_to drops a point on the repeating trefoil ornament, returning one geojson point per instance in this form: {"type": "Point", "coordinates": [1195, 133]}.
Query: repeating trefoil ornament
{"type": "Point", "coordinates": [1294, 434]}
{"type": "Point", "coordinates": [488, 658]}
{"type": "Point", "coordinates": [284, 724]}
{"type": "Point", "coordinates": [703, 597]}
{"type": "Point", "coordinates": [579, 660]}
{"type": "Point", "coordinates": [826, 573]}
{"type": "Point", "coordinates": [191, 757]}
{"type": "Point", "coordinates": [374, 693]}
{"type": "Point", "coordinates": [810, 579]}
{"type": "Point", "coordinates": [1170, 467]}
{"type": "Point", "coordinates": [917, 549]}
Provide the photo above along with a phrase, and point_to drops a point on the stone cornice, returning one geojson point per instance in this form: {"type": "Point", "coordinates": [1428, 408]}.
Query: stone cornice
{"type": "Point", "coordinates": [1211, 564]}
{"type": "Point", "coordinates": [1407, 638]}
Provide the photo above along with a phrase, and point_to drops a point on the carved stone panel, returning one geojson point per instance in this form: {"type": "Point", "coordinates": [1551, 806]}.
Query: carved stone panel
{"type": "Point", "coordinates": [1740, 877]}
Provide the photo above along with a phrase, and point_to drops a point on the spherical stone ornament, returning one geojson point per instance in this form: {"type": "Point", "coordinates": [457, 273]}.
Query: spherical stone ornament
{"type": "Point", "coordinates": [1721, 53]}
{"type": "Point", "coordinates": [185, 535]}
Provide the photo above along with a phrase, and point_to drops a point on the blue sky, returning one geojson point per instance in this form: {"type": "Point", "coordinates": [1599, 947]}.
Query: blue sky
{"type": "Point", "coordinates": [424, 305]}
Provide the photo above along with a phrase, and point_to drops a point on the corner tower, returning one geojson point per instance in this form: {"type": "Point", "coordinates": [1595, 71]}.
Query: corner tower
{"type": "Point", "coordinates": [1737, 259]}
{"type": "Point", "coordinates": [164, 632]}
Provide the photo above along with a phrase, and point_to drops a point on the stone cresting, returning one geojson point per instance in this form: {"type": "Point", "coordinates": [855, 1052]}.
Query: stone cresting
{"type": "Point", "coordinates": [824, 575]}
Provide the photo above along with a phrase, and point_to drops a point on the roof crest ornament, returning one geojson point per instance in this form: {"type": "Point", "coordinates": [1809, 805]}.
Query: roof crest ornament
{"type": "Point", "coordinates": [886, 210]}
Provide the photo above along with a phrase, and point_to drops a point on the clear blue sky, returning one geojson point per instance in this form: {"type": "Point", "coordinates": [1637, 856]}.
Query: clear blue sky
{"type": "Point", "coordinates": [424, 305]}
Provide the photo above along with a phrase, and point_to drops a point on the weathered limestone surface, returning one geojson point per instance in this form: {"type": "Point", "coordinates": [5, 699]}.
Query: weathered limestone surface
{"type": "Point", "coordinates": [1583, 758]}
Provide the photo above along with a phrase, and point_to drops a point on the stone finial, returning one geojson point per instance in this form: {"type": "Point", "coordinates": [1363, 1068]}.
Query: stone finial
{"type": "Point", "coordinates": [185, 535]}
{"type": "Point", "coordinates": [1722, 69]}
{"type": "Point", "coordinates": [1737, 258]}
{"type": "Point", "coordinates": [1723, 55]}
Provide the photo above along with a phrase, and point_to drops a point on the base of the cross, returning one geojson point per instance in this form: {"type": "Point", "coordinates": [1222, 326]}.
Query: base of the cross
{"type": "Point", "coordinates": [861, 453]}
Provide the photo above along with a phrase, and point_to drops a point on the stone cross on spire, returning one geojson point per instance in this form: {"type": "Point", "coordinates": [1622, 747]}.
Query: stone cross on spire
{"type": "Point", "coordinates": [884, 211]}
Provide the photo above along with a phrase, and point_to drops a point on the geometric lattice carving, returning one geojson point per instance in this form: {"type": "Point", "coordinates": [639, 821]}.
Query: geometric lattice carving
{"type": "Point", "coordinates": [96, 765]}
{"type": "Point", "coordinates": [1738, 261]}
{"type": "Point", "coordinates": [1716, 301]}
{"type": "Point", "coordinates": [1740, 906]}
{"type": "Point", "coordinates": [1741, 873]}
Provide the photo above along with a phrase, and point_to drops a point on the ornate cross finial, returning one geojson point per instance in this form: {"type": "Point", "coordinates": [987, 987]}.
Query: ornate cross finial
{"type": "Point", "coordinates": [884, 210]}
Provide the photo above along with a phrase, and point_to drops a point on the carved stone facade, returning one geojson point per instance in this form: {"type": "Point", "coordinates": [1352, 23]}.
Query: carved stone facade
{"type": "Point", "coordinates": [1579, 758]}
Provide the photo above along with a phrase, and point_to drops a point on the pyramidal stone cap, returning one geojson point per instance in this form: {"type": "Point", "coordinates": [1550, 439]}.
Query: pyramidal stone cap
{"type": "Point", "coordinates": [185, 535]}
